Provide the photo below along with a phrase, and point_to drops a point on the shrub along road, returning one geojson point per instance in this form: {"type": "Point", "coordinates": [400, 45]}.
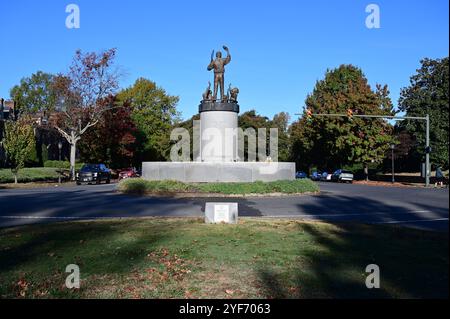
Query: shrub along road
{"type": "Point", "coordinates": [414, 207]}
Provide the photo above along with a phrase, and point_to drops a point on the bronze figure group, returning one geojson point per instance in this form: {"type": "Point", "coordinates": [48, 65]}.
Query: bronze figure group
{"type": "Point", "coordinates": [218, 65]}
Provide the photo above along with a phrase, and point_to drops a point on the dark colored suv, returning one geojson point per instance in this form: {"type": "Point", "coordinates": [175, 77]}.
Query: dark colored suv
{"type": "Point", "coordinates": [316, 176]}
{"type": "Point", "coordinates": [93, 173]}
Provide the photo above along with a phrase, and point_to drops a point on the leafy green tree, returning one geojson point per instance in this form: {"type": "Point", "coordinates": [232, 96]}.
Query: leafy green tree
{"type": "Point", "coordinates": [251, 119]}
{"type": "Point", "coordinates": [428, 93]}
{"type": "Point", "coordinates": [34, 93]}
{"type": "Point", "coordinates": [281, 121]}
{"type": "Point", "coordinates": [154, 113]}
{"type": "Point", "coordinates": [189, 125]}
{"type": "Point", "coordinates": [330, 142]}
{"type": "Point", "coordinates": [19, 143]}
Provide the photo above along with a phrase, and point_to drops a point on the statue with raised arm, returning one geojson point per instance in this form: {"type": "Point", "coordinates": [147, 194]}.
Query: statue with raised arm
{"type": "Point", "coordinates": [218, 65]}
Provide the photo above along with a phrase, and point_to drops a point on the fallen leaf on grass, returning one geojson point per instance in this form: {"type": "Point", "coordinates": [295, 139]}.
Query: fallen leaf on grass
{"type": "Point", "coordinates": [294, 290]}
{"type": "Point", "coordinates": [23, 287]}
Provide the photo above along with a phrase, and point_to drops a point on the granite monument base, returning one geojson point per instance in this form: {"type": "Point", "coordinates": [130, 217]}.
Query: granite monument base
{"type": "Point", "coordinates": [204, 172]}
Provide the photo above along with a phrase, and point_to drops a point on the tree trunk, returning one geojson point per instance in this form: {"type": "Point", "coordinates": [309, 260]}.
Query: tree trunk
{"type": "Point", "coordinates": [366, 171]}
{"type": "Point", "coordinates": [15, 178]}
{"type": "Point", "coordinates": [73, 150]}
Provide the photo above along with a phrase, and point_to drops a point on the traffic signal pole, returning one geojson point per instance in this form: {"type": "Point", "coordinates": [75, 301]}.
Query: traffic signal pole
{"type": "Point", "coordinates": [394, 118]}
{"type": "Point", "coordinates": [427, 153]}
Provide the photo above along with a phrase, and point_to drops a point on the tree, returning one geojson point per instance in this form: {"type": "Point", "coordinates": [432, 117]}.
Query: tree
{"type": "Point", "coordinates": [332, 142]}
{"type": "Point", "coordinates": [18, 143]}
{"type": "Point", "coordinates": [154, 113]}
{"type": "Point", "coordinates": [34, 93]}
{"type": "Point", "coordinates": [428, 93]}
{"type": "Point", "coordinates": [251, 119]}
{"type": "Point", "coordinates": [281, 121]}
{"type": "Point", "coordinates": [81, 94]}
{"type": "Point", "coordinates": [112, 140]}
{"type": "Point", "coordinates": [404, 160]}
{"type": "Point", "coordinates": [189, 126]}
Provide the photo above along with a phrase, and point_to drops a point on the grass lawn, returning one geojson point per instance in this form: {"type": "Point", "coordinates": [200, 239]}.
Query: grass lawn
{"type": "Point", "coordinates": [32, 174]}
{"type": "Point", "coordinates": [185, 258]}
{"type": "Point", "coordinates": [141, 186]}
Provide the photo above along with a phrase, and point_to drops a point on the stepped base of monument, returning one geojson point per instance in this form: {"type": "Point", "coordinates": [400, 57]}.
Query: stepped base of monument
{"type": "Point", "coordinates": [209, 172]}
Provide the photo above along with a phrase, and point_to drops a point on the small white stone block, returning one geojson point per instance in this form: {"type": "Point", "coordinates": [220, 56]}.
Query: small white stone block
{"type": "Point", "coordinates": [221, 213]}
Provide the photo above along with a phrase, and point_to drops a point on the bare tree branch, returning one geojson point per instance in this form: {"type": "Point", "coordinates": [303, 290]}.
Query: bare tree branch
{"type": "Point", "coordinates": [88, 126]}
{"type": "Point", "coordinates": [63, 133]}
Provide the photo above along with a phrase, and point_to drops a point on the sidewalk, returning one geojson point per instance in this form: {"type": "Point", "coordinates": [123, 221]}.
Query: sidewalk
{"type": "Point", "coordinates": [401, 180]}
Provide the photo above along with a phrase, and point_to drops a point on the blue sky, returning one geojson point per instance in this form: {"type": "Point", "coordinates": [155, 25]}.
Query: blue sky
{"type": "Point", "coordinates": [279, 48]}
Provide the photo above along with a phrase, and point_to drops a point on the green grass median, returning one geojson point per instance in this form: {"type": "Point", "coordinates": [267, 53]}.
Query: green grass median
{"type": "Point", "coordinates": [141, 186]}
{"type": "Point", "coordinates": [185, 258]}
{"type": "Point", "coordinates": [32, 174]}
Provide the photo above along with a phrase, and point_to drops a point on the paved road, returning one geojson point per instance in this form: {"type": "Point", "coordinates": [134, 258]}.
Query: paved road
{"type": "Point", "coordinates": [413, 207]}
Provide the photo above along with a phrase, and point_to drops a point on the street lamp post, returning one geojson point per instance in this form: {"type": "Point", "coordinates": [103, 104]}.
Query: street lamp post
{"type": "Point", "coordinates": [59, 148]}
{"type": "Point", "coordinates": [393, 163]}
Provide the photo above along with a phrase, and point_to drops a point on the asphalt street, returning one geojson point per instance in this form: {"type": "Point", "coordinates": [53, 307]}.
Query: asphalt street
{"type": "Point", "coordinates": [412, 207]}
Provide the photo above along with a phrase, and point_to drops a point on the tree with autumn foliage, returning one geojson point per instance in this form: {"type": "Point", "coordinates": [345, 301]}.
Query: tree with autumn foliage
{"type": "Point", "coordinates": [112, 141]}
{"type": "Point", "coordinates": [331, 142]}
{"type": "Point", "coordinates": [81, 94]}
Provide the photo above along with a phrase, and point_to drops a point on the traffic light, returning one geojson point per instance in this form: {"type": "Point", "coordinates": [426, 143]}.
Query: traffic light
{"type": "Point", "coordinates": [308, 114]}
{"type": "Point", "coordinates": [428, 149]}
{"type": "Point", "coordinates": [350, 113]}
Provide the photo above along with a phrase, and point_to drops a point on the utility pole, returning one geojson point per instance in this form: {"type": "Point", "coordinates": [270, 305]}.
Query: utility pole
{"type": "Point", "coordinates": [393, 163]}
{"type": "Point", "coordinates": [59, 148]}
{"type": "Point", "coordinates": [394, 118]}
{"type": "Point", "coordinates": [427, 153]}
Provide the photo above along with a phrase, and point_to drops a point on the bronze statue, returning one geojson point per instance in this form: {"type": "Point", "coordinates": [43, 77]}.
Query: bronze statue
{"type": "Point", "coordinates": [207, 95]}
{"type": "Point", "coordinates": [233, 94]}
{"type": "Point", "coordinates": [219, 69]}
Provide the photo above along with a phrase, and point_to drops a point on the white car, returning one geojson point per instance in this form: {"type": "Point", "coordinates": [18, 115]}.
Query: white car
{"type": "Point", "coordinates": [342, 175]}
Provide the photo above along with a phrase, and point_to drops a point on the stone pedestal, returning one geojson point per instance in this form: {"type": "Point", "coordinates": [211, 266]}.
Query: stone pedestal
{"type": "Point", "coordinates": [218, 132]}
{"type": "Point", "coordinates": [210, 172]}
{"type": "Point", "coordinates": [218, 160]}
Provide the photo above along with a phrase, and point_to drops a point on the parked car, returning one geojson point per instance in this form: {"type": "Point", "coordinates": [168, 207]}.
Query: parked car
{"type": "Point", "coordinates": [300, 175]}
{"type": "Point", "coordinates": [325, 177]}
{"type": "Point", "coordinates": [316, 176]}
{"type": "Point", "coordinates": [129, 172]}
{"type": "Point", "coordinates": [342, 175]}
{"type": "Point", "coordinates": [93, 173]}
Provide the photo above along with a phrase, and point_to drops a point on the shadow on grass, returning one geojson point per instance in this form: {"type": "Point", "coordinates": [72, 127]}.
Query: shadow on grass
{"type": "Point", "coordinates": [69, 239]}
{"type": "Point", "coordinates": [413, 264]}
{"type": "Point", "coordinates": [111, 249]}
